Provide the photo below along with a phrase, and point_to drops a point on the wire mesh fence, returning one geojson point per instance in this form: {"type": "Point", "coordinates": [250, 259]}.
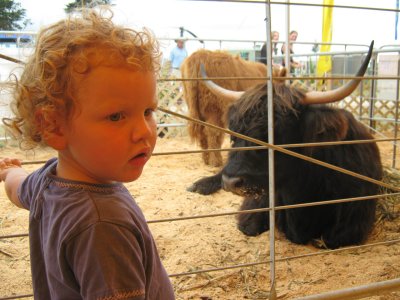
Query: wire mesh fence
{"type": "Point", "coordinates": [207, 263]}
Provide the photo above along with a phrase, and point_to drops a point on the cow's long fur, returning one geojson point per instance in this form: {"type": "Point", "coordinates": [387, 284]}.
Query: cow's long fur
{"type": "Point", "coordinates": [203, 105]}
{"type": "Point", "coordinates": [296, 180]}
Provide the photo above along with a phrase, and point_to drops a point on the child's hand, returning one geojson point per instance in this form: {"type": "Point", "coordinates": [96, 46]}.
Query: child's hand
{"type": "Point", "coordinates": [7, 163]}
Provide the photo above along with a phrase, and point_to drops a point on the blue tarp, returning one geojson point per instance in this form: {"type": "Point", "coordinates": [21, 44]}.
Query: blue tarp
{"type": "Point", "coordinates": [14, 36]}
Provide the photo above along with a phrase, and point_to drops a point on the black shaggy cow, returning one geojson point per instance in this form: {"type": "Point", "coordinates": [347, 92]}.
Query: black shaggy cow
{"type": "Point", "coordinates": [298, 119]}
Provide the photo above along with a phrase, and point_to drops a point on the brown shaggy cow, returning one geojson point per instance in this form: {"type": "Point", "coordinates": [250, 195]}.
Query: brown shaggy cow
{"type": "Point", "coordinates": [205, 106]}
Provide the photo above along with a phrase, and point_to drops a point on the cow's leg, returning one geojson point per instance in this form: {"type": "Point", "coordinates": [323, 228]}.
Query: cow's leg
{"type": "Point", "coordinates": [206, 157]}
{"type": "Point", "coordinates": [354, 222]}
{"type": "Point", "coordinates": [203, 141]}
{"type": "Point", "coordinates": [214, 140]}
{"type": "Point", "coordinates": [253, 224]}
{"type": "Point", "coordinates": [302, 225]}
{"type": "Point", "coordinates": [207, 185]}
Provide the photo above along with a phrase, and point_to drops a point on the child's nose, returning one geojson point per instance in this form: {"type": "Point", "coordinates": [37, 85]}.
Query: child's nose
{"type": "Point", "coordinates": [142, 129]}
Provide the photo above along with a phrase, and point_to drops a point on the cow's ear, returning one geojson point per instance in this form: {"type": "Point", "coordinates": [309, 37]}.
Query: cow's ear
{"type": "Point", "coordinates": [323, 125]}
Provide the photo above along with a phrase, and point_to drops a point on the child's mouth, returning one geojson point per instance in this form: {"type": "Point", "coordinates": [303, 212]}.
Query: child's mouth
{"type": "Point", "coordinates": [139, 160]}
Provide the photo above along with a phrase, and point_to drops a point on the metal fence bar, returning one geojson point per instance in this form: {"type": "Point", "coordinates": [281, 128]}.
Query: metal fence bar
{"type": "Point", "coordinates": [17, 297]}
{"type": "Point", "coordinates": [249, 211]}
{"type": "Point", "coordinates": [304, 4]}
{"type": "Point", "coordinates": [283, 150]}
{"type": "Point", "coordinates": [373, 91]}
{"type": "Point", "coordinates": [372, 289]}
{"type": "Point", "coordinates": [282, 259]}
{"type": "Point", "coordinates": [396, 126]}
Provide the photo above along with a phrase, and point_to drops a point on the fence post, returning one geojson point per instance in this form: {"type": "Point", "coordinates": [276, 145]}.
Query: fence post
{"type": "Point", "coordinates": [396, 115]}
{"type": "Point", "coordinates": [373, 93]}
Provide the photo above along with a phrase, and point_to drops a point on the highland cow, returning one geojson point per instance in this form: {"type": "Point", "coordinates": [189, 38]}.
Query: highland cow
{"type": "Point", "coordinates": [300, 117]}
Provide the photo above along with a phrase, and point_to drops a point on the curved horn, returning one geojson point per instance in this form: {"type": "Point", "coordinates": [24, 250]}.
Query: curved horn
{"type": "Point", "coordinates": [316, 97]}
{"type": "Point", "coordinates": [218, 90]}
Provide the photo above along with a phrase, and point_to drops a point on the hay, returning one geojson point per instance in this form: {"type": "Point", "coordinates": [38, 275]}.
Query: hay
{"type": "Point", "coordinates": [388, 208]}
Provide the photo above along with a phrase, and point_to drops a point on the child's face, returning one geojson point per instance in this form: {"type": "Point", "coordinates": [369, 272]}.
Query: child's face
{"type": "Point", "coordinates": [113, 132]}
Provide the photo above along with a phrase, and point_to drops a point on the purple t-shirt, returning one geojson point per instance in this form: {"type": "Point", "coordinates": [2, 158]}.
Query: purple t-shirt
{"type": "Point", "coordinates": [89, 241]}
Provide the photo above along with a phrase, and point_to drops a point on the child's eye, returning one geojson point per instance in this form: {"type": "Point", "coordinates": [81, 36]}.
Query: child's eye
{"type": "Point", "coordinates": [149, 112]}
{"type": "Point", "coordinates": [115, 117]}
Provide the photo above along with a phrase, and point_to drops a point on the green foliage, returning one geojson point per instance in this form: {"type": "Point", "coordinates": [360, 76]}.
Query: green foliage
{"type": "Point", "coordinates": [72, 6]}
{"type": "Point", "coordinates": [11, 16]}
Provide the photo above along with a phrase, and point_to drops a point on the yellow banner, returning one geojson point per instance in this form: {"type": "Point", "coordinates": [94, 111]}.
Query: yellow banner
{"type": "Point", "coordinates": [324, 62]}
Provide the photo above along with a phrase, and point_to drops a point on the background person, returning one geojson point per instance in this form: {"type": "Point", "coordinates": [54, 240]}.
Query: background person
{"type": "Point", "coordinates": [176, 57]}
{"type": "Point", "coordinates": [293, 64]}
{"type": "Point", "coordinates": [89, 92]}
{"type": "Point", "coordinates": [263, 52]}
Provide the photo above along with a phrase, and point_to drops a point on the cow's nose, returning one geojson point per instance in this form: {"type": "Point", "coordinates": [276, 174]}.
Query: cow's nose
{"type": "Point", "coordinates": [231, 183]}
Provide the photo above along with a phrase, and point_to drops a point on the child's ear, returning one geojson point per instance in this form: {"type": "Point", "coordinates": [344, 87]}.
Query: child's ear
{"type": "Point", "coordinates": [51, 128]}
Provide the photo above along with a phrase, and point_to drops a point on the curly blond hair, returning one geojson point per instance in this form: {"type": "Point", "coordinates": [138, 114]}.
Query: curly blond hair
{"type": "Point", "coordinates": [66, 51]}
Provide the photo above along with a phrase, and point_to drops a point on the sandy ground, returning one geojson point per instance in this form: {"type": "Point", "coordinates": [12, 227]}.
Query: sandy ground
{"type": "Point", "coordinates": [215, 242]}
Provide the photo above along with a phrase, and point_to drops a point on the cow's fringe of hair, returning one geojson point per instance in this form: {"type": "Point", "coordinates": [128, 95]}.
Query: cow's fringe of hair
{"type": "Point", "coordinates": [286, 98]}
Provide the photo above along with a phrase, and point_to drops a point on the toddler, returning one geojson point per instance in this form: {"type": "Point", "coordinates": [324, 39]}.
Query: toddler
{"type": "Point", "coordinates": [89, 92]}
